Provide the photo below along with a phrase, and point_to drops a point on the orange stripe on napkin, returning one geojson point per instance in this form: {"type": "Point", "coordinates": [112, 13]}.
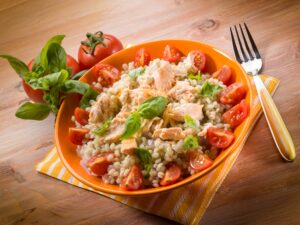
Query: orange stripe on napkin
{"type": "Point", "coordinates": [185, 205]}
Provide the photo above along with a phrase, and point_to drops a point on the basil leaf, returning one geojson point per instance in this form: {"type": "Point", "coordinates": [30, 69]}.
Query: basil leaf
{"type": "Point", "coordinates": [75, 86]}
{"type": "Point", "coordinates": [190, 122]}
{"type": "Point", "coordinates": [153, 107]}
{"type": "Point", "coordinates": [100, 131]}
{"type": "Point", "coordinates": [50, 80]}
{"type": "Point", "coordinates": [33, 111]}
{"type": "Point", "coordinates": [53, 98]}
{"type": "Point", "coordinates": [90, 94]}
{"type": "Point", "coordinates": [195, 77]}
{"type": "Point", "coordinates": [209, 89]}
{"type": "Point", "coordinates": [136, 72]}
{"type": "Point", "coordinates": [20, 67]}
{"type": "Point", "coordinates": [132, 125]}
{"type": "Point", "coordinates": [145, 157]}
{"type": "Point", "coordinates": [42, 59]}
{"type": "Point", "coordinates": [190, 142]}
{"type": "Point", "coordinates": [78, 75]}
{"type": "Point", "coordinates": [57, 58]}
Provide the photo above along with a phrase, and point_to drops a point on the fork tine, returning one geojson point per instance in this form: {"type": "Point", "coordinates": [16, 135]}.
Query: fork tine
{"type": "Point", "coordinates": [252, 43]}
{"type": "Point", "coordinates": [246, 44]}
{"type": "Point", "coordinates": [241, 46]}
{"type": "Point", "coordinates": [236, 52]}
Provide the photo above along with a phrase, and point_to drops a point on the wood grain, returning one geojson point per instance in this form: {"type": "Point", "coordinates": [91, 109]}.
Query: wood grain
{"type": "Point", "coordinates": [261, 189]}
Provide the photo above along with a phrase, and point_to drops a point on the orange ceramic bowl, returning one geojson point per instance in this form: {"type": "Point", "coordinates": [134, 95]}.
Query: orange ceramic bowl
{"type": "Point", "coordinates": [67, 150]}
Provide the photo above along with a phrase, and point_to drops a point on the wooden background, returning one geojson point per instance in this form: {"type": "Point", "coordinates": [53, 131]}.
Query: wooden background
{"type": "Point", "coordinates": [261, 189]}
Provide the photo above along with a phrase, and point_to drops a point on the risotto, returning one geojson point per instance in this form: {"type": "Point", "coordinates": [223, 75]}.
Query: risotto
{"type": "Point", "coordinates": [157, 121]}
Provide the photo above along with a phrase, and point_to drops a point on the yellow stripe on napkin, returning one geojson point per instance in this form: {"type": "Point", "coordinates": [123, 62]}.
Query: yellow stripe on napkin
{"type": "Point", "coordinates": [185, 205]}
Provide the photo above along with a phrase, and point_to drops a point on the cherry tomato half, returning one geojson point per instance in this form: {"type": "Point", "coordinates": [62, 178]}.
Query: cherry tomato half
{"type": "Point", "coordinates": [134, 180]}
{"type": "Point", "coordinates": [76, 135]}
{"type": "Point", "coordinates": [199, 161]}
{"type": "Point", "coordinates": [224, 74]}
{"type": "Point", "coordinates": [172, 175]}
{"type": "Point", "coordinates": [99, 164]}
{"type": "Point", "coordinates": [107, 74]}
{"type": "Point", "coordinates": [233, 94]}
{"type": "Point", "coordinates": [219, 138]}
{"type": "Point", "coordinates": [172, 54]}
{"type": "Point", "coordinates": [236, 115]}
{"type": "Point", "coordinates": [199, 59]}
{"type": "Point", "coordinates": [81, 116]}
{"type": "Point", "coordinates": [142, 57]}
{"type": "Point", "coordinates": [105, 45]}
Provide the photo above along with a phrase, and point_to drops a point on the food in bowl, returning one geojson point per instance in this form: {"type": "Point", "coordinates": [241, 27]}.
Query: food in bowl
{"type": "Point", "coordinates": [157, 121]}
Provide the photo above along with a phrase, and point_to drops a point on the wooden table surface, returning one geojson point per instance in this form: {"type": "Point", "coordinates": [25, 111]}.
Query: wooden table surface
{"type": "Point", "coordinates": [261, 189]}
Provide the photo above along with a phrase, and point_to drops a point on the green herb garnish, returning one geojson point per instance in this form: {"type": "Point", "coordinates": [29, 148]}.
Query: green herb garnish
{"type": "Point", "coordinates": [100, 131]}
{"type": "Point", "coordinates": [190, 142]}
{"type": "Point", "coordinates": [153, 107]}
{"type": "Point", "coordinates": [197, 77]}
{"type": "Point", "coordinates": [136, 72]}
{"type": "Point", "coordinates": [132, 125]}
{"type": "Point", "coordinates": [190, 122]}
{"type": "Point", "coordinates": [145, 157]}
{"type": "Point", "coordinates": [210, 89]}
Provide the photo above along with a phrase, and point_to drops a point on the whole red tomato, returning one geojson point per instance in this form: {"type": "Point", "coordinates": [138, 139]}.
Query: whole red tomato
{"type": "Point", "coordinates": [37, 95]}
{"type": "Point", "coordinates": [96, 47]}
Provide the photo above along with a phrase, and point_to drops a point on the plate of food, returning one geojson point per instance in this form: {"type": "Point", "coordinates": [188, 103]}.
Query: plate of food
{"type": "Point", "coordinates": [160, 115]}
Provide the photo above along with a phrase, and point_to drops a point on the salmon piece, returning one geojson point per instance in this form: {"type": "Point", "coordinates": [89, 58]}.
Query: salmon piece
{"type": "Point", "coordinates": [183, 90]}
{"type": "Point", "coordinates": [151, 125]}
{"type": "Point", "coordinates": [178, 112]}
{"type": "Point", "coordinates": [102, 109]}
{"type": "Point", "coordinates": [172, 133]}
{"type": "Point", "coordinates": [164, 77]}
{"type": "Point", "coordinates": [128, 146]}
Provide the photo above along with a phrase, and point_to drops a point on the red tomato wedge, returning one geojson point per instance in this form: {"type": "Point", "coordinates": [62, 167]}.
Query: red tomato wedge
{"type": "Point", "coordinates": [172, 54]}
{"type": "Point", "coordinates": [76, 135]}
{"type": "Point", "coordinates": [199, 161]}
{"type": "Point", "coordinates": [224, 74]}
{"type": "Point", "coordinates": [172, 175]}
{"type": "Point", "coordinates": [233, 94]}
{"type": "Point", "coordinates": [81, 116]}
{"type": "Point", "coordinates": [134, 180]}
{"type": "Point", "coordinates": [99, 164]}
{"type": "Point", "coordinates": [236, 115]}
{"type": "Point", "coordinates": [107, 74]}
{"type": "Point", "coordinates": [219, 138]}
{"type": "Point", "coordinates": [199, 59]}
{"type": "Point", "coordinates": [142, 57]}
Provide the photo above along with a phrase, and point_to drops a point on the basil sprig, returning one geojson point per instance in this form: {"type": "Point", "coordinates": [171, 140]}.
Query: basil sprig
{"type": "Point", "coordinates": [51, 75]}
{"type": "Point", "coordinates": [210, 89]}
{"type": "Point", "coordinates": [33, 111]}
{"type": "Point", "coordinates": [132, 125]}
{"type": "Point", "coordinates": [151, 108]}
{"type": "Point", "coordinates": [190, 122]}
{"type": "Point", "coordinates": [145, 157]}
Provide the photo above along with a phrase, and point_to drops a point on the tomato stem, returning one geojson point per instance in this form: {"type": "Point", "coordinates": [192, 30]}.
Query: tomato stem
{"type": "Point", "coordinates": [92, 41]}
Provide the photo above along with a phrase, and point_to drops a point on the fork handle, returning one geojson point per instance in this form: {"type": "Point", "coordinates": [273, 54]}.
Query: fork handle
{"type": "Point", "coordinates": [276, 124]}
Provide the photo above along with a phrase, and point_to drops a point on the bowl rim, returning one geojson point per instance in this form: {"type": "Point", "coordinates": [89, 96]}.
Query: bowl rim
{"type": "Point", "coordinates": [238, 141]}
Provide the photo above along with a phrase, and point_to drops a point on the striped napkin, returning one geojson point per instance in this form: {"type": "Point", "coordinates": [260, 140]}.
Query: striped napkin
{"type": "Point", "coordinates": [185, 205]}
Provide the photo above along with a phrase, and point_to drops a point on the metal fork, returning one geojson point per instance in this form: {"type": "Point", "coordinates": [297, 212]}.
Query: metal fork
{"type": "Point", "coordinates": [252, 63]}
